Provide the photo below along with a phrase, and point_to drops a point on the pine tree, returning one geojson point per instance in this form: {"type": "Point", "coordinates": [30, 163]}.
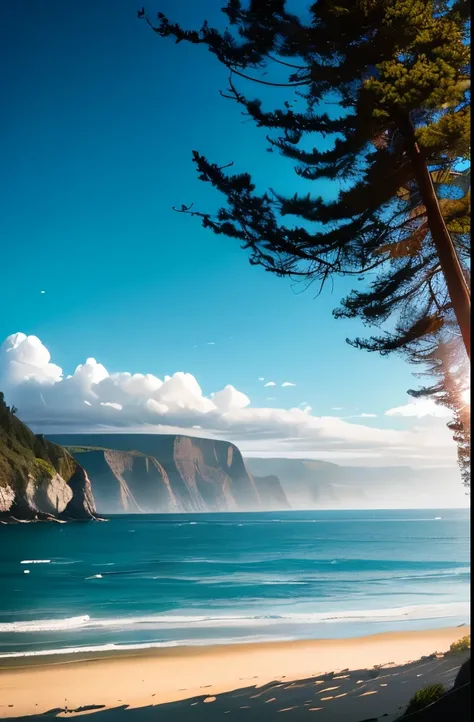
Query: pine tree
{"type": "Point", "coordinates": [398, 73]}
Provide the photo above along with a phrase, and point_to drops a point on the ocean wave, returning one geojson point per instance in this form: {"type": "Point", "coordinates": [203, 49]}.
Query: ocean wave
{"type": "Point", "coordinates": [176, 621]}
{"type": "Point", "coordinates": [278, 562]}
{"type": "Point", "coordinates": [45, 625]}
{"type": "Point", "coordinates": [98, 648]}
{"type": "Point", "coordinates": [257, 521]}
{"type": "Point", "coordinates": [36, 561]}
{"type": "Point", "coordinates": [284, 582]}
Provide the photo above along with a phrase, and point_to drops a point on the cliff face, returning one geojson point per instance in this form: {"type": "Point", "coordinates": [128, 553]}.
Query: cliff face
{"type": "Point", "coordinates": [271, 493]}
{"type": "Point", "coordinates": [306, 484]}
{"type": "Point", "coordinates": [159, 473]}
{"type": "Point", "coordinates": [81, 506]}
{"type": "Point", "coordinates": [38, 479]}
{"type": "Point", "coordinates": [127, 482]}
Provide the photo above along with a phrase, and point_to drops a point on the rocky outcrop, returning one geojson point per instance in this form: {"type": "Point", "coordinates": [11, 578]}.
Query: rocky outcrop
{"type": "Point", "coordinates": [48, 498]}
{"type": "Point", "coordinates": [39, 480]}
{"type": "Point", "coordinates": [160, 473]}
{"type": "Point", "coordinates": [81, 506]}
{"type": "Point", "coordinates": [47, 494]}
{"type": "Point", "coordinates": [45, 498]}
{"type": "Point", "coordinates": [7, 497]}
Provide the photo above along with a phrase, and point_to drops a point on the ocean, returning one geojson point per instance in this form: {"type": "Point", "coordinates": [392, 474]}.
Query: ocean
{"type": "Point", "coordinates": [167, 580]}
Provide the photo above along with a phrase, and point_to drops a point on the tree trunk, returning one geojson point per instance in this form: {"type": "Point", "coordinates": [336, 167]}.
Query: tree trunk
{"type": "Point", "coordinates": [455, 281]}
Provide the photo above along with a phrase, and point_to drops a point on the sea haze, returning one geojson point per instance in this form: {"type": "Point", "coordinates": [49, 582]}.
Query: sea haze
{"type": "Point", "coordinates": [164, 580]}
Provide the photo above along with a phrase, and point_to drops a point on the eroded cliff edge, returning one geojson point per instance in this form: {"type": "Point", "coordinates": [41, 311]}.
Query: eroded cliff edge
{"type": "Point", "coordinates": [39, 480]}
{"type": "Point", "coordinates": [160, 473]}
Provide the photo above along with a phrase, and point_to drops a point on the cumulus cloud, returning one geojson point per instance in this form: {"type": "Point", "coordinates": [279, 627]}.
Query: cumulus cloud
{"type": "Point", "coordinates": [364, 416]}
{"type": "Point", "coordinates": [269, 383]}
{"type": "Point", "coordinates": [24, 358]}
{"type": "Point", "coordinates": [229, 398]}
{"type": "Point", "coordinates": [94, 398]}
{"type": "Point", "coordinates": [287, 383]}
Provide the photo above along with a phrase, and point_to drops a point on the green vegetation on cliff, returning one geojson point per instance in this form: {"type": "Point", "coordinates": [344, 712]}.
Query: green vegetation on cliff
{"type": "Point", "coordinates": [24, 454]}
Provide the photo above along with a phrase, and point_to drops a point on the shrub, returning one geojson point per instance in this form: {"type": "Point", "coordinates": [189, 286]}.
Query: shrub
{"type": "Point", "coordinates": [462, 645]}
{"type": "Point", "coordinates": [424, 697]}
{"type": "Point", "coordinates": [45, 467]}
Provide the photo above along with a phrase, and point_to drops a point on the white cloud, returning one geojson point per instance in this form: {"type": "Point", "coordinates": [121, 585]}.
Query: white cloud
{"type": "Point", "coordinates": [287, 383]}
{"type": "Point", "coordinates": [24, 357]}
{"type": "Point", "coordinates": [89, 374]}
{"type": "Point", "coordinates": [420, 408]}
{"type": "Point", "coordinates": [229, 398]}
{"type": "Point", "coordinates": [211, 343]}
{"type": "Point", "coordinates": [269, 383]}
{"type": "Point", "coordinates": [261, 378]}
{"type": "Point", "coordinates": [364, 416]}
{"type": "Point", "coordinates": [337, 408]}
{"type": "Point", "coordinates": [93, 397]}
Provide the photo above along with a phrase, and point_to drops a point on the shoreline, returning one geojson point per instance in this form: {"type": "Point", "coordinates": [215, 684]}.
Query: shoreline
{"type": "Point", "coordinates": [174, 674]}
{"type": "Point", "coordinates": [123, 652]}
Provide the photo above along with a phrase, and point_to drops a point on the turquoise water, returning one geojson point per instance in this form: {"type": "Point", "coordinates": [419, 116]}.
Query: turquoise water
{"type": "Point", "coordinates": [164, 580]}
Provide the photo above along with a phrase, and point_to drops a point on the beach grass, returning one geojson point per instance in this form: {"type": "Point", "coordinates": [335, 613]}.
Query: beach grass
{"type": "Point", "coordinates": [462, 645]}
{"type": "Point", "coordinates": [424, 697]}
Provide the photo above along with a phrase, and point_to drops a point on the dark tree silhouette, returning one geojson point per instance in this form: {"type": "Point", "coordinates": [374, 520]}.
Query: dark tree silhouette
{"type": "Point", "coordinates": [388, 82]}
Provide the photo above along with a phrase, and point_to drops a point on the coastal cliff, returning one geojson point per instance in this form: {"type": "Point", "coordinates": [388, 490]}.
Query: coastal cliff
{"type": "Point", "coordinates": [39, 480]}
{"type": "Point", "coordinates": [160, 473]}
{"type": "Point", "coordinates": [270, 490]}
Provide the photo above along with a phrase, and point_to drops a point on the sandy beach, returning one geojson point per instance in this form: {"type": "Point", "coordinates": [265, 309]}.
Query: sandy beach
{"type": "Point", "coordinates": [347, 679]}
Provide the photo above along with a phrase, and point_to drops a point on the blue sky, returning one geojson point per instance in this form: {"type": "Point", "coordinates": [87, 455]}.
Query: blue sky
{"type": "Point", "coordinates": [100, 118]}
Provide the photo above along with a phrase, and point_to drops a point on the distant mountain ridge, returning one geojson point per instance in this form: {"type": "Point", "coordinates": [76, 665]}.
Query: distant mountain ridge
{"type": "Point", "coordinates": [161, 473]}
{"type": "Point", "coordinates": [310, 484]}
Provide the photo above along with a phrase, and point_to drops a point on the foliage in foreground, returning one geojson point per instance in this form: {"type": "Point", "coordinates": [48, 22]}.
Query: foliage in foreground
{"type": "Point", "coordinates": [462, 645]}
{"type": "Point", "coordinates": [376, 100]}
{"type": "Point", "coordinates": [425, 696]}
